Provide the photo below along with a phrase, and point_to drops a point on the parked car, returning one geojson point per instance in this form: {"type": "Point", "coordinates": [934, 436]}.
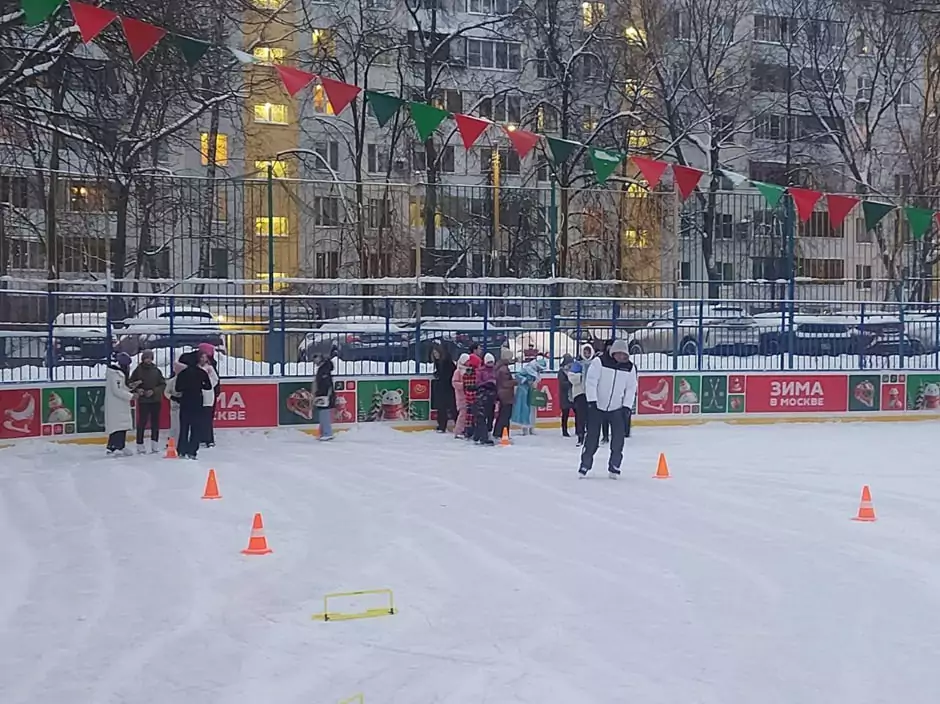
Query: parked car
{"type": "Point", "coordinates": [811, 335]}
{"type": "Point", "coordinates": [23, 348]}
{"type": "Point", "coordinates": [151, 328]}
{"type": "Point", "coordinates": [82, 338]}
{"type": "Point", "coordinates": [457, 336]}
{"type": "Point", "coordinates": [542, 342]}
{"type": "Point", "coordinates": [894, 343]}
{"type": "Point", "coordinates": [719, 336]}
{"type": "Point", "coordinates": [359, 338]}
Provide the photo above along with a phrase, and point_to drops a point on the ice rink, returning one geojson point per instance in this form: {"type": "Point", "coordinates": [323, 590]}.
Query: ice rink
{"type": "Point", "coordinates": [741, 580]}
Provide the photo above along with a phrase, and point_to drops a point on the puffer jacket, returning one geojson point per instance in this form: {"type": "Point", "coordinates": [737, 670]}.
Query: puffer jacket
{"type": "Point", "coordinates": [610, 384]}
{"type": "Point", "coordinates": [505, 382]}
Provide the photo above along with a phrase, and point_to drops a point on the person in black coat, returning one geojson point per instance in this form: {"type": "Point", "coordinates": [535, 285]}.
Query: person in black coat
{"type": "Point", "coordinates": [191, 382]}
{"type": "Point", "coordinates": [324, 398]}
{"type": "Point", "coordinates": [442, 388]}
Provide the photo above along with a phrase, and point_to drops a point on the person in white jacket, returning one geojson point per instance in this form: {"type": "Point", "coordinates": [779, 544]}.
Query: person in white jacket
{"type": "Point", "coordinates": [118, 418]}
{"type": "Point", "coordinates": [610, 385]}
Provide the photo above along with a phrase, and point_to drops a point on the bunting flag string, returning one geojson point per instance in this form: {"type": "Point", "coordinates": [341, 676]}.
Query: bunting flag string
{"type": "Point", "coordinates": [142, 37]}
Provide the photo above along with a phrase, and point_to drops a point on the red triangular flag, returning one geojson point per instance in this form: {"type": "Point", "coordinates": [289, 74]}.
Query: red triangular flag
{"type": "Point", "coordinates": [470, 128]}
{"type": "Point", "coordinates": [686, 179]}
{"type": "Point", "coordinates": [651, 169]}
{"type": "Point", "coordinates": [839, 208]}
{"type": "Point", "coordinates": [339, 94]}
{"type": "Point", "coordinates": [805, 201]}
{"type": "Point", "coordinates": [91, 20]}
{"type": "Point", "coordinates": [296, 80]}
{"type": "Point", "coordinates": [937, 215]}
{"type": "Point", "coordinates": [141, 36]}
{"type": "Point", "coordinates": [522, 141]}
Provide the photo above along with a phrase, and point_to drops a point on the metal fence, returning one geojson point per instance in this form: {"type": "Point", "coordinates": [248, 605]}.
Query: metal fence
{"type": "Point", "coordinates": [278, 334]}
{"type": "Point", "coordinates": [250, 235]}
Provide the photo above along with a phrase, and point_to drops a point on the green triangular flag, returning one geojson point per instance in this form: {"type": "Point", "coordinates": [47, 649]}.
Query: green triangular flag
{"type": "Point", "coordinates": [384, 106]}
{"type": "Point", "coordinates": [770, 191]}
{"type": "Point", "coordinates": [605, 163]}
{"type": "Point", "coordinates": [875, 212]}
{"type": "Point", "coordinates": [38, 11]}
{"type": "Point", "coordinates": [561, 149]}
{"type": "Point", "coordinates": [191, 49]}
{"type": "Point", "coordinates": [920, 220]}
{"type": "Point", "coordinates": [735, 178]}
{"type": "Point", "coordinates": [427, 118]}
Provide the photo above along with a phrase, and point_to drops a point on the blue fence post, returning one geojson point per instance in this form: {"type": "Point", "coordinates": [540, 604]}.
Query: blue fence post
{"type": "Point", "coordinates": [417, 357]}
{"type": "Point", "coordinates": [861, 339]}
{"type": "Point", "coordinates": [283, 337]}
{"type": "Point", "coordinates": [552, 326]}
{"type": "Point", "coordinates": [50, 338]}
{"type": "Point", "coordinates": [675, 334]}
{"type": "Point", "coordinates": [701, 336]}
{"type": "Point", "coordinates": [936, 336]}
{"type": "Point", "coordinates": [902, 337]}
{"type": "Point", "coordinates": [783, 340]}
{"type": "Point", "coordinates": [172, 331]}
{"type": "Point", "coordinates": [577, 324]}
{"type": "Point", "coordinates": [388, 332]}
{"type": "Point", "coordinates": [109, 336]}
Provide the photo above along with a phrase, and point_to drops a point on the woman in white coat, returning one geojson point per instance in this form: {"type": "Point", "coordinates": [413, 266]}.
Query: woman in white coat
{"type": "Point", "coordinates": [118, 418]}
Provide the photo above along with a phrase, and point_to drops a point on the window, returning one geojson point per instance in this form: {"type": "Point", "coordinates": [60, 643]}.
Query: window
{"type": "Point", "coordinates": [543, 67]}
{"type": "Point", "coordinates": [322, 44]}
{"type": "Point", "coordinates": [588, 119]}
{"type": "Point", "coordinates": [84, 254]}
{"type": "Point", "coordinates": [218, 263]}
{"type": "Point", "coordinates": [269, 54]}
{"type": "Point", "coordinates": [770, 28]}
{"type": "Point", "coordinates": [546, 119]}
{"type": "Point", "coordinates": [819, 225]}
{"type": "Point", "coordinates": [863, 276]}
{"type": "Point", "coordinates": [681, 25]}
{"type": "Point", "coordinates": [266, 280]}
{"type": "Point", "coordinates": [863, 88]}
{"type": "Point", "coordinates": [506, 108]}
{"type": "Point", "coordinates": [905, 94]}
{"type": "Point", "coordinates": [902, 184]}
{"type": "Point", "coordinates": [87, 197]}
{"type": "Point", "coordinates": [823, 34]}
{"type": "Point", "coordinates": [271, 113]}
{"type": "Point", "coordinates": [822, 269]}
{"type": "Point", "coordinates": [157, 264]}
{"type": "Point", "coordinates": [863, 46]}
{"type": "Point", "coordinates": [26, 254]}
{"type": "Point", "coordinates": [592, 13]}
{"type": "Point", "coordinates": [379, 49]}
{"type": "Point", "coordinates": [862, 233]}
{"type": "Point", "coordinates": [378, 4]}
{"type": "Point", "coordinates": [508, 160]}
{"type": "Point", "coordinates": [326, 211]}
{"type": "Point", "coordinates": [376, 158]}
{"type": "Point", "coordinates": [278, 168]}
{"type": "Point", "coordinates": [772, 127]}
{"type": "Point", "coordinates": [636, 239]}
{"type": "Point", "coordinates": [542, 169]}
{"type": "Point", "coordinates": [221, 148]}
{"type": "Point", "coordinates": [684, 272]}
{"type": "Point", "coordinates": [380, 212]}
{"type": "Point", "coordinates": [278, 224]}
{"type": "Point", "coordinates": [447, 160]}
{"type": "Point", "coordinates": [591, 68]}
{"type": "Point", "coordinates": [419, 160]}
{"type": "Point", "coordinates": [491, 7]}
{"type": "Point", "coordinates": [494, 54]}
{"type": "Point", "coordinates": [327, 265]}
{"type": "Point", "coordinates": [221, 206]}
{"type": "Point", "coordinates": [321, 104]}
{"type": "Point", "coordinates": [329, 156]}
{"type": "Point", "coordinates": [449, 99]}
{"type": "Point", "coordinates": [268, 4]}
{"type": "Point", "coordinates": [768, 78]}
{"type": "Point", "coordinates": [14, 190]}
{"type": "Point", "coordinates": [768, 171]}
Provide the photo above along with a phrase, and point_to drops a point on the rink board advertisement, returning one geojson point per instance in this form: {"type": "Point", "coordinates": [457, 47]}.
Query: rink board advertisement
{"type": "Point", "coordinates": [60, 410]}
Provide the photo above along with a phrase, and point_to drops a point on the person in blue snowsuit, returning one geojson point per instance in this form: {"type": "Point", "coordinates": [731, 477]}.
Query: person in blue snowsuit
{"type": "Point", "coordinates": [523, 414]}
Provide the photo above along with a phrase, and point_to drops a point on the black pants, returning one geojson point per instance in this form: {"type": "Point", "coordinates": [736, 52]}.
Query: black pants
{"type": "Point", "coordinates": [148, 413]}
{"type": "Point", "coordinates": [117, 440]}
{"type": "Point", "coordinates": [629, 413]}
{"type": "Point", "coordinates": [502, 419]}
{"type": "Point", "coordinates": [617, 420]}
{"type": "Point", "coordinates": [565, 414]}
{"type": "Point", "coordinates": [444, 415]}
{"type": "Point", "coordinates": [605, 429]}
{"type": "Point", "coordinates": [580, 416]}
{"type": "Point", "coordinates": [192, 422]}
{"type": "Point", "coordinates": [482, 421]}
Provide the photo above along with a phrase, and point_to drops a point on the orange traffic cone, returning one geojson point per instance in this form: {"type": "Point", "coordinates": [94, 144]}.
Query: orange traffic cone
{"type": "Point", "coordinates": [504, 441]}
{"type": "Point", "coordinates": [212, 487]}
{"type": "Point", "coordinates": [662, 469]}
{"type": "Point", "coordinates": [257, 543]}
{"type": "Point", "coordinates": [171, 449]}
{"type": "Point", "coordinates": [866, 512]}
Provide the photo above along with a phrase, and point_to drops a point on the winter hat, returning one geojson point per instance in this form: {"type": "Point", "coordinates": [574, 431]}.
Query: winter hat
{"type": "Point", "coordinates": [505, 354]}
{"type": "Point", "coordinates": [576, 367]}
{"type": "Point", "coordinates": [463, 359]}
{"type": "Point", "coordinates": [146, 355]}
{"type": "Point", "coordinates": [567, 359]}
{"type": "Point", "coordinates": [619, 346]}
{"type": "Point", "coordinates": [489, 360]}
{"type": "Point", "coordinates": [123, 359]}
{"type": "Point", "coordinates": [587, 352]}
{"type": "Point", "coordinates": [473, 362]}
{"type": "Point", "coordinates": [207, 348]}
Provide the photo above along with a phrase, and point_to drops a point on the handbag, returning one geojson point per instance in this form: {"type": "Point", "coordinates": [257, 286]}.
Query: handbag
{"type": "Point", "coordinates": [537, 398]}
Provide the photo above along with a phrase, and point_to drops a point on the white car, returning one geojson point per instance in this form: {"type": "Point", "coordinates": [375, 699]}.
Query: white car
{"type": "Point", "coordinates": [151, 328]}
{"type": "Point", "coordinates": [356, 338]}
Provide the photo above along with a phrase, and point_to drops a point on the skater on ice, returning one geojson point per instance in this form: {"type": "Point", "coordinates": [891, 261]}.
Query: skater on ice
{"type": "Point", "coordinates": [173, 398]}
{"type": "Point", "coordinates": [565, 400]}
{"type": "Point", "coordinates": [443, 397]}
{"type": "Point", "coordinates": [460, 397]}
{"type": "Point", "coordinates": [578, 394]}
{"type": "Point", "coordinates": [527, 380]}
{"type": "Point", "coordinates": [150, 386]}
{"type": "Point", "coordinates": [485, 401]}
{"type": "Point", "coordinates": [470, 393]}
{"type": "Point", "coordinates": [195, 390]}
{"type": "Point", "coordinates": [324, 398]}
{"type": "Point", "coordinates": [610, 386]}
{"type": "Point", "coordinates": [117, 404]}
{"type": "Point", "coordinates": [505, 391]}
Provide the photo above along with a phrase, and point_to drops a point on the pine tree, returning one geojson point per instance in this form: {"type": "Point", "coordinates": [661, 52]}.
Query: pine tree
{"type": "Point", "coordinates": [919, 399]}
{"type": "Point", "coordinates": [375, 408]}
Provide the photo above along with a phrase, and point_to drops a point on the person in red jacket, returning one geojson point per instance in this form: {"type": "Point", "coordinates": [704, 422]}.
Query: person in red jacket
{"type": "Point", "coordinates": [470, 390]}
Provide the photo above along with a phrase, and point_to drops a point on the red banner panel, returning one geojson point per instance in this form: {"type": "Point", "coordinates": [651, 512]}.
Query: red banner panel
{"type": "Point", "coordinates": [247, 406]}
{"type": "Point", "coordinates": [19, 414]}
{"type": "Point", "coordinates": [549, 385]}
{"type": "Point", "coordinates": [654, 395]}
{"type": "Point", "coordinates": [793, 393]}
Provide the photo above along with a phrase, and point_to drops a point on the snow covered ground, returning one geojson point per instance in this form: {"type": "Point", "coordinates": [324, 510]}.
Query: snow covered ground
{"type": "Point", "coordinates": [740, 580]}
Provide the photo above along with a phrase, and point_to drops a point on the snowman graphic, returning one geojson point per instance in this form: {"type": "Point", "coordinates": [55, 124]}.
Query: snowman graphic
{"type": "Point", "coordinates": [57, 411]}
{"type": "Point", "coordinates": [686, 394]}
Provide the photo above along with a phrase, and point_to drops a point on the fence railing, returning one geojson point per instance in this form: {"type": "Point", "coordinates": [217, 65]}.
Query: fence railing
{"type": "Point", "coordinates": [259, 335]}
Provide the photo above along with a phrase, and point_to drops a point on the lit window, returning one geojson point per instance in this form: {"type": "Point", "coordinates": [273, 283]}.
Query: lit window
{"type": "Point", "coordinates": [269, 4]}
{"type": "Point", "coordinates": [639, 139]}
{"type": "Point", "coordinates": [221, 149]}
{"type": "Point", "coordinates": [322, 41]}
{"type": "Point", "coordinates": [269, 54]}
{"type": "Point", "coordinates": [593, 13]}
{"type": "Point", "coordinates": [320, 102]}
{"type": "Point", "coordinates": [279, 225]}
{"type": "Point", "coordinates": [635, 238]}
{"type": "Point", "coordinates": [268, 112]}
{"type": "Point", "coordinates": [634, 35]}
{"type": "Point", "coordinates": [278, 168]}
{"type": "Point", "coordinates": [278, 285]}
{"type": "Point", "coordinates": [90, 197]}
